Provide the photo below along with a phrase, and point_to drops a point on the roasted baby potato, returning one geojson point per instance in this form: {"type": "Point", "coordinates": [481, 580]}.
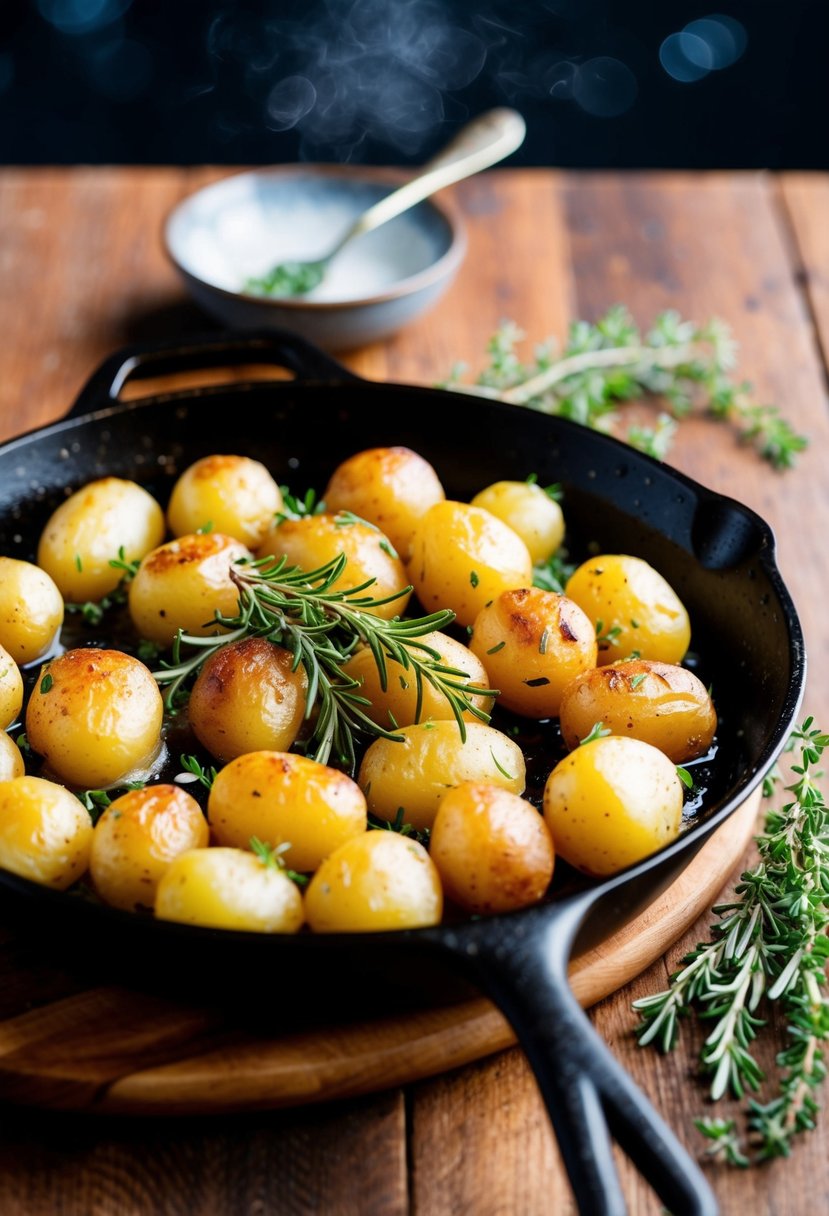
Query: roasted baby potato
{"type": "Point", "coordinates": [612, 802]}
{"type": "Point", "coordinates": [136, 839]}
{"type": "Point", "coordinates": [462, 557]}
{"type": "Point", "coordinates": [431, 759]}
{"type": "Point", "coordinates": [105, 521]}
{"type": "Point", "coordinates": [95, 717]}
{"type": "Point", "coordinates": [183, 584]}
{"type": "Point", "coordinates": [248, 698]}
{"type": "Point", "coordinates": [11, 760]}
{"type": "Point", "coordinates": [233, 495]}
{"type": "Point", "coordinates": [11, 689]}
{"type": "Point", "coordinates": [492, 849]}
{"type": "Point", "coordinates": [314, 540]}
{"type": "Point", "coordinates": [659, 703]}
{"type": "Point", "coordinates": [45, 832]}
{"type": "Point", "coordinates": [635, 611]}
{"type": "Point", "coordinates": [31, 610]}
{"type": "Point", "coordinates": [286, 799]}
{"type": "Point", "coordinates": [530, 511]}
{"type": "Point", "coordinates": [396, 704]}
{"type": "Point", "coordinates": [533, 642]}
{"type": "Point", "coordinates": [228, 889]}
{"type": "Point", "coordinates": [376, 881]}
{"type": "Point", "coordinates": [390, 487]}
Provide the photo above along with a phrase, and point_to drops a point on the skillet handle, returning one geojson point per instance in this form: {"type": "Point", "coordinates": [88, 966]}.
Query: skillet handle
{"type": "Point", "coordinates": [588, 1095]}
{"type": "Point", "coordinates": [281, 348]}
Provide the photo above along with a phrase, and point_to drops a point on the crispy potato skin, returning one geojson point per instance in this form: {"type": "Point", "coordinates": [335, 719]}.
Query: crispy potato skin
{"type": "Point", "coordinates": [376, 881]}
{"type": "Point", "coordinates": [283, 798]}
{"type": "Point", "coordinates": [611, 803]}
{"type": "Point", "coordinates": [31, 610]}
{"type": "Point", "coordinates": [659, 703]}
{"type": "Point", "coordinates": [235, 495]}
{"type": "Point", "coordinates": [228, 889]}
{"type": "Point", "coordinates": [248, 698]}
{"type": "Point", "coordinates": [492, 849]}
{"type": "Point", "coordinates": [390, 487]}
{"type": "Point", "coordinates": [136, 839]}
{"type": "Point", "coordinates": [397, 703]}
{"type": "Point", "coordinates": [95, 717]}
{"type": "Point", "coordinates": [45, 832]}
{"type": "Point", "coordinates": [313, 540]}
{"type": "Point", "coordinates": [529, 511]}
{"type": "Point", "coordinates": [432, 758]}
{"type": "Point", "coordinates": [183, 584]}
{"type": "Point", "coordinates": [11, 689]}
{"type": "Point", "coordinates": [463, 556]}
{"type": "Point", "coordinates": [625, 595]}
{"type": "Point", "coordinates": [87, 532]}
{"type": "Point", "coordinates": [534, 643]}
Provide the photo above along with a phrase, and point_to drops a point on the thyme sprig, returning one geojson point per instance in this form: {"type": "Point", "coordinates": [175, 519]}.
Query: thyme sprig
{"type": "Point", "coordinates": [321, 627]}
{"type": "Point", "coordinates": [770, 945]}
{"type": "Point", "coordinates": [605, 364]}
{"type": "Point", "coordinates": [93, 611]}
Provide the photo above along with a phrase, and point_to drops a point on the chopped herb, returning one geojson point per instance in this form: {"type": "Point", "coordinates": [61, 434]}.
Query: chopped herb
{"type": "Point", "coordinates": [46, 683]}
{"type": "Point", "coordinates": [389, 548]}
{"type": "Point", "coordinates": [543, 640]}
{"type": "Point", "coordinates": [496, 648]}
{"type": "Point", "coordinates": [272, 858]}
{"type": "Point", "coordinates": [205, 529]}
{"type": "Point", "coordinates": [604, 638]}
{"type": "Point", "coordinates": [194, 771]}
{"type": "Point", "coordinates": [634, 624]}
{"type": "Point", "coordinates": [685, 777]}
{"type": "Point", "coordinates": [473, 578]}
{"type": "Point", "coordinates": [637, 680]}
{"type": "Point", "coordinates": [597, 731]}
{"type": "Point", "coordinates": [78, 563]}
{"type": "Point", "coordinates": [500, 767]}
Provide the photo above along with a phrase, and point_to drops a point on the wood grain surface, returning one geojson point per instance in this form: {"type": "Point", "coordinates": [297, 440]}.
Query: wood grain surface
{"type": "Point", "coordinates": [83, 272]}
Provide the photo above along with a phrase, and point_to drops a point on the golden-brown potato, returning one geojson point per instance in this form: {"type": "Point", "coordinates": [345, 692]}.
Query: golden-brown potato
{"type": "Point", "coordinates": [492, 849]}
{"type": "Point", "coordinates": [390, 487]}
{"type": "Point", "coordinates": [659, 703]}
{"type": "Point", "coordinates": [183, 584]}
{"type": "Point", "coordinates": [462, 557]}
{"type": "Point", "coordinates": [396, 705]}
{"type": "Point", "coordinates": [431, 759]}
{"type": "Point", "coordinates": [530, 511]}
{"type": "Point", "coordinates": [533, 642]}
{"type": "Point", "coordinates": [376, 881]}
{"type": "Point", "coordinates": [281, 798]}
{"type": "Point", "coordinates": [228, 889]}
{"type": "Point", "coordinates": [11, 689]}
{"type": "Point", "coordinates": [95, 717]}
{"type": "Point", "coordinates": [248, 698]}
{"type": "Point", "coordinates": [11, 761]}
{"type": "Point", "coordinates": [230, 494]}
{"type": "Point", "coordinates": [313, 540]}
{"type": "Point", "coordinates": [136, 839]}
{"type": "Point", "coordinates": [31, 610]}
{"type": "Point", "coordinates": [45, 832]}
{"type": "Point", "coordinates": [612, 802]}
{"type": "Point", "coordinates": [635, 611]}
{"type": "Point", "coordinates": [85, 534]}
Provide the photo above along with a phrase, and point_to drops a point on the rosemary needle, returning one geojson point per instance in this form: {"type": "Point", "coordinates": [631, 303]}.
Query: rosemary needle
{"type": "Point", "coordinates": [321, 627]}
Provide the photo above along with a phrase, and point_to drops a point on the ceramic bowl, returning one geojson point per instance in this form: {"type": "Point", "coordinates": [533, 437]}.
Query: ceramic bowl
{"type": "Point", "coordinates": [241, 226]}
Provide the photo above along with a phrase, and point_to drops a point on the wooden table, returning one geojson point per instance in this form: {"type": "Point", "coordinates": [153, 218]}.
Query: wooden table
{"type": "Point", "coordinates": [82, 273]}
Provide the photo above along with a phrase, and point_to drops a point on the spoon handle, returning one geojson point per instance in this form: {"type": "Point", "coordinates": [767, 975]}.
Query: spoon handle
{"type": "Point", "coordinates": [483, 142]}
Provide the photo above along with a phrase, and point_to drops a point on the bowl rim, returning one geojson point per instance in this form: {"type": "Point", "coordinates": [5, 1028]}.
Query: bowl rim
{"type": "Point", "coordinates": [445, 266]}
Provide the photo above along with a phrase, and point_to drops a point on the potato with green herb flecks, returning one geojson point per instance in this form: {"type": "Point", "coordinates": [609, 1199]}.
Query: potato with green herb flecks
{"type": "Point", "coordinates": [106, 521]}
{"type": "Point", "coordinates": [432, 758]}
{"type": "Point", "coordinates": [463, 556]}
{"type": "Point", "coordinates": [223, 888]}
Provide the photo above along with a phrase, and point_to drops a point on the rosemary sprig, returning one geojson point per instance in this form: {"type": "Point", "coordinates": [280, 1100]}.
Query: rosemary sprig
{"type": "Point", "coordinates": [321, 627]}
{"type": "Point", "coordinates": [770, 944]}
{"type": "Point", "coordinates": [610, 362]}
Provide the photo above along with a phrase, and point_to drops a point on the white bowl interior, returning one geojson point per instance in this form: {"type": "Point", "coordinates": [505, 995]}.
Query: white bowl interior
{"type": "Point", "coordinates": [244, 225]}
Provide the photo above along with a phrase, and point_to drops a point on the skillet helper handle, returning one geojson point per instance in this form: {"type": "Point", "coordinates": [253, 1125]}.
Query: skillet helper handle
{"type": "Point", "coordinates": [588, 1095]}
{"type": "Point", "coordinates": [198, 352]}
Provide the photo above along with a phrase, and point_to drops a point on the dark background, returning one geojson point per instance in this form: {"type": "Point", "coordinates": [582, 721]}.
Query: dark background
{"type": "Point", "coordinates": [600, 82]}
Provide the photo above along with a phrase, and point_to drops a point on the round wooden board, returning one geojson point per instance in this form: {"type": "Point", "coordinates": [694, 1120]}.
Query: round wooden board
{"type": "Point", "coordinates": [118, 1051]}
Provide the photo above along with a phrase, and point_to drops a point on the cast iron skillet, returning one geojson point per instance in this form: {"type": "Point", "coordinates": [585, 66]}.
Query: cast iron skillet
{"type": "Point", "coordinates": [718, 555]}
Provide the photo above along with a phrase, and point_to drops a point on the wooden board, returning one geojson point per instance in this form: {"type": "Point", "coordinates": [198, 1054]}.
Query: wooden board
{"type": "Point", "coordinates": [114, 1050]}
